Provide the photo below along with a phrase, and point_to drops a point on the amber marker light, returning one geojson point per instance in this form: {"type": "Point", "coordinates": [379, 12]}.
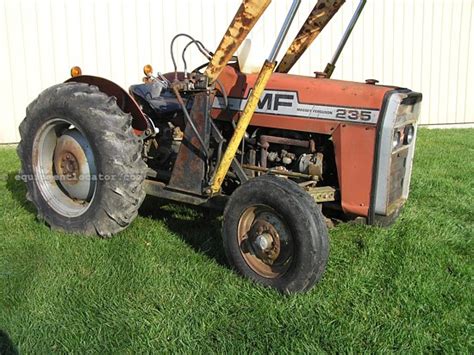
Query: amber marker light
{"type": "Point", "coordinates": [76, 71]}
{"type": "Point", "coordinates": [148, 70]}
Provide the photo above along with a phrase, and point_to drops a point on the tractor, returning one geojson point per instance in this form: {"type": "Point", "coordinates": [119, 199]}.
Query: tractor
{"type": "Point", "coordinates": [280, 155]}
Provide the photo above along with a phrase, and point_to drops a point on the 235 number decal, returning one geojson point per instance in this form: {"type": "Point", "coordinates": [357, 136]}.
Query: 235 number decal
{"type": "Point", "coordinates": [354, 115]}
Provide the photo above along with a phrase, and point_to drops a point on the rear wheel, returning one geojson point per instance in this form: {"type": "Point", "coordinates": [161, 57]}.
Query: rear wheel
{"type": "Point", "coordinates": [81, 161]}
{"type": "Point", "coordinates": [274, 233]}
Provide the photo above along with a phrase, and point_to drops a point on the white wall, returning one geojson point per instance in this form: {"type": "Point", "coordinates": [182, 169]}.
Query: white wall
{"type": "Point", "coordinates": [426, 45]}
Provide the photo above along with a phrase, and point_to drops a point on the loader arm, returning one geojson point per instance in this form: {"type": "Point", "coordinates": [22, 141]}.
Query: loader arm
{"type": "Point", "coordinates": [252, 103]}
{"type": "Point", "coordinates": [244, 20]}
{"type": "Point", "coordinates": [322, 13]}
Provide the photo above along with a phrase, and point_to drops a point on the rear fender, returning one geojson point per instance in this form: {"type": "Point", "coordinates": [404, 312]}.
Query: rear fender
{"type": "Point", "coordinates": [126, 103]}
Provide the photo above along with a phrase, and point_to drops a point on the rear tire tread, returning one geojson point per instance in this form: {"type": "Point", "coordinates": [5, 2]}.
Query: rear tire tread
{"type": "Point", "coordinates": [120, 152]}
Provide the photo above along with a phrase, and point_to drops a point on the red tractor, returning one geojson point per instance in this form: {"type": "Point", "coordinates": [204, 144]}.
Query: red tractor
{"type": "Point", "coordinates": [273, 151]}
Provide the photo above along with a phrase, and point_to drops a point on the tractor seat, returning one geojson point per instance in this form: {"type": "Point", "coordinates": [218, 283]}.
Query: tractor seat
{"type": "Point", "coordinates": [162, 102]}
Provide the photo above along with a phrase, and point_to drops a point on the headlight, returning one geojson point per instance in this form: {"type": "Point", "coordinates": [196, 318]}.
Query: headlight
{"type": "Point", "coordinates": [409, 134]}
{"type": "Point", "coordinates": [397, 136]}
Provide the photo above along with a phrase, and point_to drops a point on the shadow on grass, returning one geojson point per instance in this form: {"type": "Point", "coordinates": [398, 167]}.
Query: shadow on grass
{"type": "Point", "coordinates": [196, 226]}
{"type": "Point", "coordinates": [6, 345]}
{"type": "Point", "coordinates": [17, 188]}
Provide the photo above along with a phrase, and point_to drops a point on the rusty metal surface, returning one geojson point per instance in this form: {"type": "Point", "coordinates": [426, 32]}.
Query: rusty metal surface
{"type": "Point", "coordinates": [266, 140]}
{"type": "Point", "coordinates": [320, 75]}
{"type": "Point", "coordinates": [189, 170]}
{"type": "Point", "coordinates": [74, 164]}
{"type": "Point", "coordinates": [265, 241]}
{"type": "Point", "coordinates": [158, 189]}
{"type": "Point", "coordinates": [322, 13]}
{"type": "Point", "coordinates": [280, 172]}
{"type": "Point", "coordinates": [68, 160]}
{"type": "Point", "coordinates": [322, 194]}
{"type": "Point", "coordinates": [266, 237]}
{"type": "Point", "coordinates": [329, 70]}
{"type": "Point", "coordinates": [126, 103]}
{"type": "Point", "coordinates": [265, 144]}
{"type": "Point", "coordinates": [243, 22]}
{"type": "Point", "coordinates": [316, 166]}
{"type": "Point", "coordinates": [397, 174]}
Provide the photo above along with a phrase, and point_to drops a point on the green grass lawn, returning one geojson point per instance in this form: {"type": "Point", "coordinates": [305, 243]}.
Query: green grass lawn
{"type": "Point", "coordinates": [163, 284]}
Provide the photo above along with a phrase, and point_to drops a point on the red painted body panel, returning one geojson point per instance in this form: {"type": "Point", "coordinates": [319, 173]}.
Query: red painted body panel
{"type": "Point", "coordinates": [354, 143]}
{"type": "Point", "coordinates": [354, 148]}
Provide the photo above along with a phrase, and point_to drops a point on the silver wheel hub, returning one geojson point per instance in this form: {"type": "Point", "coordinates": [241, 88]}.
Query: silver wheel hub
{"type": "Point", "coordinates": [64, 167]}
{"type": "Point", "coordinates": [74, 165]}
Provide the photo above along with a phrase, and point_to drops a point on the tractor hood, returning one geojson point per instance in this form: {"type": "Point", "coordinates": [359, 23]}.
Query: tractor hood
{"type": "Point", "coordinates": [300, 97]}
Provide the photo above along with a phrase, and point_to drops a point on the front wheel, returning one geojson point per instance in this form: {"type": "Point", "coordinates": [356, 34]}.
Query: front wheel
{"type": "Point", "coordinates": [274, 233]}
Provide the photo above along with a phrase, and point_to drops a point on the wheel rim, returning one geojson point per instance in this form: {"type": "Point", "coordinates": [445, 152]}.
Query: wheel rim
{"type": "Point", "coordinates": [265, 241]}
{"type": "Point", "coordinates": [64, 167]}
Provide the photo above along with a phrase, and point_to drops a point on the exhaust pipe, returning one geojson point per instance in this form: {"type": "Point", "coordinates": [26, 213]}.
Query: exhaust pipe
{"type": "Point", "coordinates": [332, 64]}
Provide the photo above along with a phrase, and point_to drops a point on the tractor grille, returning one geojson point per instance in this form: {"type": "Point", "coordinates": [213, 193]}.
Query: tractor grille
{"type": "Point", "coordinates": [397, 175]}
{"type": "Point", "coordinates": [395, 160]}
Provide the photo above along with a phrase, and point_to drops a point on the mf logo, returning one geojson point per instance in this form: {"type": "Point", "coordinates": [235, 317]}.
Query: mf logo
{"type": "Point", "coordinates": [285, 103]}
{"type": "Point", "coordinates": [273, 101]}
